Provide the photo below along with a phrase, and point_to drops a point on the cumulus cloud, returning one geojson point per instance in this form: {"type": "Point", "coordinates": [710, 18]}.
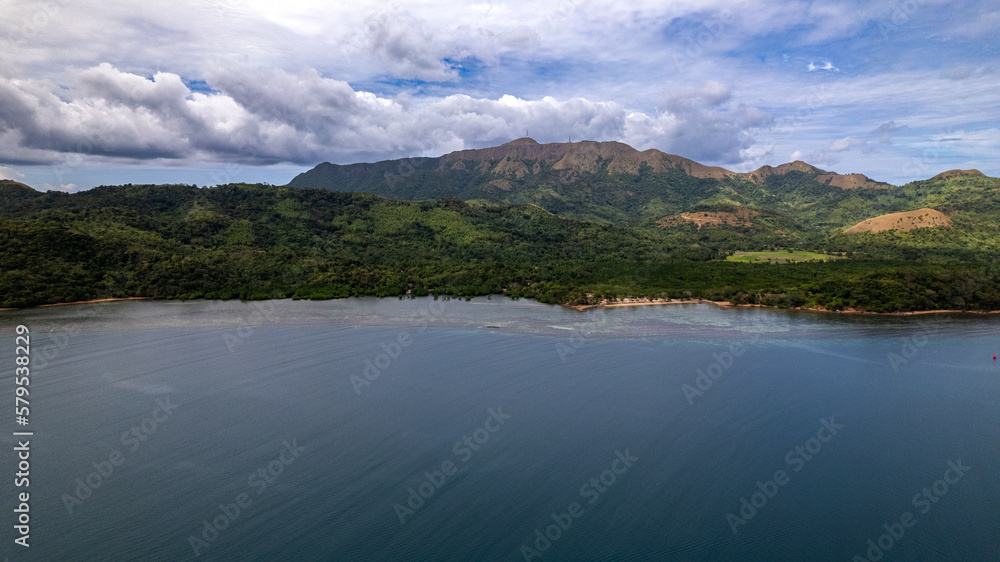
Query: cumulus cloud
{"type": "Point", "coordinates": [265, 115]}
{"type": "Point", "coordinates": [405, 45]}
{"type": "Point", "coordinates": [828, 154]}
{"type": "Point", "coordinates": [8, 173]}
{"type": "Point", "coordinates": [699, 123]}
{"type": "Point", "coordinates": [305, 81]}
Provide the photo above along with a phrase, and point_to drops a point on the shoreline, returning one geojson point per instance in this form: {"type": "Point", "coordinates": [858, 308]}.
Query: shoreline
{"type": "Point", "coordinates": [726, 305]}
{"type": "Point", "coordinates": [626, 302]}
{"type": "Point", "coordinates": [80, 302]}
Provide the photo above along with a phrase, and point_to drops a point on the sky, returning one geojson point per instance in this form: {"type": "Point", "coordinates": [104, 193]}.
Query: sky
{"type": "Point", "coordinates": [209, 92]}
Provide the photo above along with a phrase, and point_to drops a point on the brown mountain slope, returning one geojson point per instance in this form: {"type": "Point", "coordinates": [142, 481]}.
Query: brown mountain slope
{"type": "Point", "coordinates": [523, 158]}
{"type": "Point", "coordinates": [12, 183]}
{"type": "Point", "coordinates": [586, 156]}
{"type": "Point", "coordinates": [739, 217]}
{"type": "Point", "coordinates": [843, 181]}
{"type": "Point", "coordinates": [951, 173]}
{"type": "Point", "coordinates": [764, 171]}
{"type": "Point", "coordinates": [581, 156]}
{"type": "Point", "coordinates": [904, 222]}
{"type": "Point", "coordinates": [848, 181]}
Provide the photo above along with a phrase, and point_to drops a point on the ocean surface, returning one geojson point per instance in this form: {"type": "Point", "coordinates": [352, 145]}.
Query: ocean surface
{"type": "Point", "coordinates": [492, 429]}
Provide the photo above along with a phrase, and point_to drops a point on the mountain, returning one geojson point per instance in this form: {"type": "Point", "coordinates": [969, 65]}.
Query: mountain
{"type": "Point", "coordinates": [555, 222]}
{"type": "Point", "coordinates": [487, 168]}
{"type": "Point", "coordinates": [585, 156]}
{"type": "Point", "coordinates": [794, 205]}
{"type": "Point", "coordinates": [612, 182]}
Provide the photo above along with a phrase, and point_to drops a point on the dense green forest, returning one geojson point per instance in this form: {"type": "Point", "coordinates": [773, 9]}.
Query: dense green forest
{"type": "Point", "coordinates": [262, 241]}
{"type": "Point", "coordinates": [792, 209]}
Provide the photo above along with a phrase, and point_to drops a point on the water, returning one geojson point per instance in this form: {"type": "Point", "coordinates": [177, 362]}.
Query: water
{"type": "Point", "coordinates": [501, 413]}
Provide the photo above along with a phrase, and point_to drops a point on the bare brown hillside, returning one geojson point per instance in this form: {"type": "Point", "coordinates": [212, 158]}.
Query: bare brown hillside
{"type": "Point", "coordinates": [588, 156]}
{"type": "Point", "coordinates": [580, 156]}
{"type": "Point", "coordinates": [848, 181]}
{"type": "Point", "coordinates": [951, 173]}
{"type": "Point", "coordinates": [904, 222]}
{"type": "Point", "coordinates": [739, 217]}
{"type": "Point", "coordinates": [12, 183]}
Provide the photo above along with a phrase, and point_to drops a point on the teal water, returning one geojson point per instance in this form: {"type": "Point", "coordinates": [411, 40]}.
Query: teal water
{"type": "Point", "coordinates": [507, 416]}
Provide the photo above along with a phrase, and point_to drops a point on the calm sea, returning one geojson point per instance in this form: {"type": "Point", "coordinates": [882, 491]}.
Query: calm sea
{"type": "Point", "coordinates": [415, 430]}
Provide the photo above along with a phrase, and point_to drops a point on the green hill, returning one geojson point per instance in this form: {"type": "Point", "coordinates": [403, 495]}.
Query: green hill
{"type": "Point", "coordinates": [262, 241]}
{"type": "Point", "coordinates": [794, 205]}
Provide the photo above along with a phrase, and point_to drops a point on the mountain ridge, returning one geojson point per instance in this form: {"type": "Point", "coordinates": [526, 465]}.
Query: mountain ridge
{"type": "Point", "coordinates": [589, 156]}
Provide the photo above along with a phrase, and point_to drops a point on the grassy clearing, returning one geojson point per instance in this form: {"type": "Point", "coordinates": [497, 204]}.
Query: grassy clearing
{"type": "Point", "coordinates": [784, 256]}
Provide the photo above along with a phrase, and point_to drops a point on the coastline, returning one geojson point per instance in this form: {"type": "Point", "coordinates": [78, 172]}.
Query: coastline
{"type": "Point", "coordinates": [724, 305]}
{"type": "Point", "coordinates": [80, 302]}
{"type": "Point", "coordinates": [628, 302]}
{"type": "Point", "coordinates": [95, 301]}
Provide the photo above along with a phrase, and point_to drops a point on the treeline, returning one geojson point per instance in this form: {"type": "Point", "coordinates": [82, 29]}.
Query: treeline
{"type": "Point", "coordinates": [261, 241]}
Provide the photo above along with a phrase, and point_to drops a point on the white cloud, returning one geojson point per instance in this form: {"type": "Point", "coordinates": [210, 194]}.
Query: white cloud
{"type": "Point", "coordinates": [844, 144]}
{"type": "Point", "coordinates": [698, 123]}
{"type": "Point", "coordinates": [827, 65]}
{"type": "Point", "coordinates": [311, 80]}
{"type": "Point", "coordinates": [65, 187]}
{"type": "Point", "coordinates": [8, 173]}
{"type": "Point", "coordinates": [887, 130]}
{"type": "Point", "coordinates": [405, 46]}
{"type": "Point", "coordinates": [267, 116]}
{"type": "Point", "coordinates": [829, 154]}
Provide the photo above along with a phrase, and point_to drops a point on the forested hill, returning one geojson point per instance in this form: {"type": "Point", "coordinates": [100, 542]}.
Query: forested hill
{"type": "Point", "coordinates": [262, 241]}
{"type": "Point", "coordinates": [603, 181]}
{"type": "Point", "coordinates": [794, 205]}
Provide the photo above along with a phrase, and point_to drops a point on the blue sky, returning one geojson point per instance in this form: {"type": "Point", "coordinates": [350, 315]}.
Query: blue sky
{"type": "Point", "coordinates": [245, 90]}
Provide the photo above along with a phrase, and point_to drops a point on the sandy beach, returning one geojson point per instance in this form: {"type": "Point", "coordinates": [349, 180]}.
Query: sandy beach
{"type": "Point", "coordinates": [81, 302]}
{"type": "Point", "coordinates": [724, 305]}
